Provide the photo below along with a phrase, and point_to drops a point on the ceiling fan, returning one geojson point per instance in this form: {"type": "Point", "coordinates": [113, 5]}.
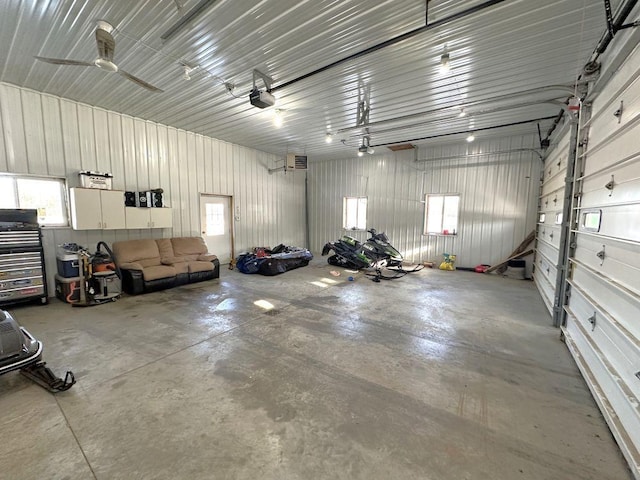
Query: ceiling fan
{"type": "Point", "coordinates": [106, 46]}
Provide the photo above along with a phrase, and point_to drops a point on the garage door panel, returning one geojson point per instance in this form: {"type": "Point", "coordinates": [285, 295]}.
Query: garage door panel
{"type": "Point", "coordinates": [620, 221]}
{"type": "Point", "coordinates": [546, 268]}
{"type": "Point", "coordinates": [617, 403]}
{"type": "Point", "coordinates": [626, 186]}
{"type": "Point", "coordinates": [546, 291]}
{"type": "Point", "coordinates": [550, 234]}
{"type": "Point", "coordinates": [553, 183]}
{"type": "Point", "coordinates": [621, 306]}
{"type": "Point", "coordinates": [621, 262]}
{"type": "Point", "coordinates": [548, 251]}
{"type": "Point", "coordinates": [620, 351]}
{"type": "Point", "coordinates": [604, 124]}
{"type": "Point", "coordinates": [621, 144]}
{"type": "Point", "coordinates": [625, 76]}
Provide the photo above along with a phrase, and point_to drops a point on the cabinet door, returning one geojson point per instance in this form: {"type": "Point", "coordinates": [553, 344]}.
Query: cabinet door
{"type": "Point", "coordinates": [85, 209]}
{"type": "Point", "coordinates": [137, 217]}
{"type": "Point", "coordinates": [112, 209]}
{"type": "Point", "coordinates": [161, 218]}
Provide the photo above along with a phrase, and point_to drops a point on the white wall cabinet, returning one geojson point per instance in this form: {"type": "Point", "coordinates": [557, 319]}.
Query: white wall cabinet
{"type": "Point", "coordinates": [148, 217]}
{"type": "Point", "coordinates": [95, 209]}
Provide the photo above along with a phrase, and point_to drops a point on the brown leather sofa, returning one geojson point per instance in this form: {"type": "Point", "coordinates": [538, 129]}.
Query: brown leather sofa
{"type": "Point", "coordinates": [148, 265]}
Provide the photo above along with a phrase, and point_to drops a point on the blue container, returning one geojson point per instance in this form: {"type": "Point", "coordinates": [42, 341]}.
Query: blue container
{"type": "Point", "coordinates": [68, 265]}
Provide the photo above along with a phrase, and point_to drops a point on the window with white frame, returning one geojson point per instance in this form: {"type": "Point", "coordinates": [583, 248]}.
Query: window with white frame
{"type": "Point", "coordinates": [441, 214]}
{"type": "Point", "coordinates": [47, 195]}
{"type": "Point", "coordinates": [354, 213]}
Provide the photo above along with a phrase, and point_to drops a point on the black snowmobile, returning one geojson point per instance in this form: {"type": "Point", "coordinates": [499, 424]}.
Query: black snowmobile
{"type": "Point", "coordinates": [376, 253]}
{"type": "Point", "coordinates": [19, 350]}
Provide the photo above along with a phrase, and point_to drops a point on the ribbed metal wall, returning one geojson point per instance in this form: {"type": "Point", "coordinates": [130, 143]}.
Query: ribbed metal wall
{"type": "Point", "coordinates": [602, 326]}
{"type": "Point", "coordinates": [51, 136]}
{"type": "Point", "coordinates": [497, 208]}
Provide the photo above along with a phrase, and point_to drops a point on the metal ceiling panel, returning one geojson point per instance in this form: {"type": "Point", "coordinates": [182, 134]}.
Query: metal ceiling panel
{"type": "Point", "coordinates": [512, 46]}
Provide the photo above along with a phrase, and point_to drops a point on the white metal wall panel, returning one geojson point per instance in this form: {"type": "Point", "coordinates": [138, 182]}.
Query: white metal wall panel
{"type": "Point", "coordinates": [603, 310]}
{"type": "Point", "coordinates": [46, 135]}
{"type": "Point", "coordinates": [498, 198]}
{"type": "Point", "coordinates": [548, 232]}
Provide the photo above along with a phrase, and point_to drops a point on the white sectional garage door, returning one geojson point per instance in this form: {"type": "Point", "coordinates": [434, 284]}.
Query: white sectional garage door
{"type": "Point", "coordinates": [602, 326]}
{"type": "Point", "coordinates": [548, 232]}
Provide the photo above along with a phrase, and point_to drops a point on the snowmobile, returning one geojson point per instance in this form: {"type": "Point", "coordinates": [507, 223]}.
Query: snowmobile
{"type": "Point", "coordinates": [376, 253]}
{"type": "Point", "coordinates": [19, 350]}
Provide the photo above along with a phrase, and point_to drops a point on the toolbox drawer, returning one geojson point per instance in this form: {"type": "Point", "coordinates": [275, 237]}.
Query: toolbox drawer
{"type": "Point", "coordinates": [21, 293]}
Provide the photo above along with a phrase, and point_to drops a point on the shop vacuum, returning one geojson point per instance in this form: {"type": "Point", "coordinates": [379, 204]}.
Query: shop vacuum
{"type": "Point", "coordinates": [100, 277]}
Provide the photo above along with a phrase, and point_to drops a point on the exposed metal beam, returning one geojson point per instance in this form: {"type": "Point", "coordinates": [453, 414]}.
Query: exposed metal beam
{"type": "Point", "coordinates": [393, 41]}
{"type": "Point", "coordinates": [483, 154]}
{"type": "Point", "coordinates": [456, 108]}
{"type": "Point", "coordinates": [465, 131]}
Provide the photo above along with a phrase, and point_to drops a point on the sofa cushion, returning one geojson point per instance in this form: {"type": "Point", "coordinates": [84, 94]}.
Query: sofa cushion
{"type": "Point", "coordinates": [144, 252]}
{"type": "Point", "coordinates": [197, 266]}
{"type": "Point", "coordinates": [187, 246]}
{"type": "Point", "coordinates": [181, 267]}
{"type": "Point", "coordinates": [158, 271]}
{"type": "Point", "coordinates": [165, 248]}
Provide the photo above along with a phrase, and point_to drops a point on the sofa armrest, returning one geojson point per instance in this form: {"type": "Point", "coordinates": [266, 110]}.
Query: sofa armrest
{"type": "Point", "coordinates": [132, 281]}
{"type": "Point", "coordinates": [131, 266]}
{"type": "Point", "coordinates": [207, 257]}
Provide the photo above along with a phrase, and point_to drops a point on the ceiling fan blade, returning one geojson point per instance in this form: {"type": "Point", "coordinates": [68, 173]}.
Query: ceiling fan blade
{"type": "Point", "coordinates": [64, 61]}
{"type": "Point", "coordinates": [140, 82]}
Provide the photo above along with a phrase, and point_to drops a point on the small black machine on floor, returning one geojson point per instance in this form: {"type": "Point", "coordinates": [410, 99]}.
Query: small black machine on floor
{"type": "Point", "coordinates": [19, 350]}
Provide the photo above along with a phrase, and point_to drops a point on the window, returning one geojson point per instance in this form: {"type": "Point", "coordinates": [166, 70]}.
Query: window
{"type": "Point", "coordinates": [215, 219]}
{"type": "Point", "coordinates": [441, 214]}
{"type": "Point", "coordinates": [354, 214]}
{"type": "Point", "coordinates": [558, 218]}
{"type": "Point", "coordinates": [591, 220]}
{"type": "Point", "coordinates": [44, 194]}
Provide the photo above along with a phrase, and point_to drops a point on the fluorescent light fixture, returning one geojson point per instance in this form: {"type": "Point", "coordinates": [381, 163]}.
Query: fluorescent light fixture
{"type": "Point", "coordinates": [277, 118]}
{"type": "Point", "coordinates": [445, 62]}
{"type": "Point", "coordinates": [328, 138]}
{"type": "Point", "coordinates": [471, 138]}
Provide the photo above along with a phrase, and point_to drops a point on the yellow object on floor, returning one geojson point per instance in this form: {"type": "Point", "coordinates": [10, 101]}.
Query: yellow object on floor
{"type": "Point", "coordinates": [448, 262]}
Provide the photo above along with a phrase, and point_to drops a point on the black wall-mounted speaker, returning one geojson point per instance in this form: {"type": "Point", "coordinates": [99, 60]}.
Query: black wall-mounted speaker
{"type": "Point", "coordinates": [156, 200]}
{"type": "Point", "coordinates": [129, 199]}
{"type": "Point", "coordinates": [143, 199]}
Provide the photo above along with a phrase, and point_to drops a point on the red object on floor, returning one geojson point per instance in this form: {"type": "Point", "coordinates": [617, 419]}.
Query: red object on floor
{"type": "Point", "coordinates": [481, 268]}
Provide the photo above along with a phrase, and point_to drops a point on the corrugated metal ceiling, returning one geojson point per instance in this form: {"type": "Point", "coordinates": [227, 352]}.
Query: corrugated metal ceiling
{"type": "Point", "coordinates": [514, 46]}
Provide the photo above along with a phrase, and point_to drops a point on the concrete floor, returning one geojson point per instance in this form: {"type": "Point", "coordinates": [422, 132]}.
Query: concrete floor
{"type": "Point", "coordinates": [438, 375]}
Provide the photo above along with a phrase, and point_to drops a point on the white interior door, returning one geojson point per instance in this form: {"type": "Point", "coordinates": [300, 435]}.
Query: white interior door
{"type": "Point", "coordinates": [216, 225]}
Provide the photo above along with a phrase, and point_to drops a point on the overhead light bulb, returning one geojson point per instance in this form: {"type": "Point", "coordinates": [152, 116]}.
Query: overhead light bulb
{"type": "Point", "coordinates": [187, 71]}
{"type": "Point", "coordinates": [445, 63]}
{"type": "Point", "coordinates": [370, 150]}
{"type": "Point", "coordinates": [277, 118]}
{"type": "Point", "coordinates": [462, 113]}
{"type": "Point", "coordinates": [360, 153]}
{"type": "Point", "coordinates": [471, 138]}
{"type": "Point", "coordinates": [328, 138]}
